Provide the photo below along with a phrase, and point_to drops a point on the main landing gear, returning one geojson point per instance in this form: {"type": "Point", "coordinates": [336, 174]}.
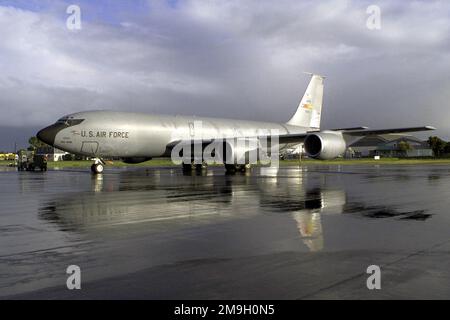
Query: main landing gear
{"type": "Point", "coordinates": [98, 166]}
{"type": "Point", "coordinates": [229, 168]}
{"type": "Point", "coordinates": [233, 168]}
{"type": "Point", "coordinates": [188, 167]}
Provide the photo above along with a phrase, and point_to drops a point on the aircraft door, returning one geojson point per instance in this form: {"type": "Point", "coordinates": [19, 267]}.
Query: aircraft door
{"type": "Point", "coordinates": [191, 129]}
{"type": "Point", "coordinates": [89, 147]}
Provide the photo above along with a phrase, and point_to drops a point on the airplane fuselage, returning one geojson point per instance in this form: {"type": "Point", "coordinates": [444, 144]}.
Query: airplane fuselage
{"type": "Point", "coordinates": [121, 134]}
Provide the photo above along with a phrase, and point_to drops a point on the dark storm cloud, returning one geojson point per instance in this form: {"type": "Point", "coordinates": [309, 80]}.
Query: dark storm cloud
{"type": "Point", "coordinates": [238, 59]}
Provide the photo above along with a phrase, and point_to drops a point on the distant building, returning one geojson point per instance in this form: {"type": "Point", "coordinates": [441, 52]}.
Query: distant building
{"type": "Point", "coordinates": [388, 145]}
{"type": "Point", "coordinates": [7, 156]}
{"type": "Point", "coordinates": [52, 154]}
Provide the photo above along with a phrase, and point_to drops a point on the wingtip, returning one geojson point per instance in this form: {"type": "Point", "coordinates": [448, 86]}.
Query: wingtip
{"type": "Point", "coordinates": [430, 128]}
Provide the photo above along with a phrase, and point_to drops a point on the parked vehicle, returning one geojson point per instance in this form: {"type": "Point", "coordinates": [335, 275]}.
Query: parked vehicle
{"type": "Point", "coordinates": [28, 161]}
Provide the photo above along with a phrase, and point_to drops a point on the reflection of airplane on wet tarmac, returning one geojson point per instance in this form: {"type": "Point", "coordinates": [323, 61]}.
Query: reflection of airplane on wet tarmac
{"type": "Point", "coordinates": [131, 198]}
{"type": "Point", "coordinates": [306, 204]}
{"type": "Point", "coordinates": [128, 198]}
{"type": "Point", "coordinates": [162, 200]}
{"type": "Point", "coordinates": [140, 137]}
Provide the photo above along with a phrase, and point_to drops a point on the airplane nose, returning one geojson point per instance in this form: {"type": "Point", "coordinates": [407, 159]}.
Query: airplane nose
{"type": "Point", "coordinates": [48, 135]}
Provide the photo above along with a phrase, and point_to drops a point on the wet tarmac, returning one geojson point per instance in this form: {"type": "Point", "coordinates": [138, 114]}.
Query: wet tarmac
{"type": "Point", "coordinates": [291, 233]}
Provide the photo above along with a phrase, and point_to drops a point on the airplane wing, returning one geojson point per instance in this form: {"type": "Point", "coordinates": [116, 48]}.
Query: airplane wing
{"type": "Point", "coordinates": [300, 137]}
{"type": "Point", "coordinates": [361, 133]}
{"type": "Point", "coordinates": [355, 132]}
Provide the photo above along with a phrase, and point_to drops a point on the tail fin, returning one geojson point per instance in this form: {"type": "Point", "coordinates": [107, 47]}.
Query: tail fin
{"type": "Point", "coordinates": [310, 107]}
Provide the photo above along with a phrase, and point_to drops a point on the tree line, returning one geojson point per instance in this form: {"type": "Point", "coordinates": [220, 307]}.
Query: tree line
{"type": "Point", "coordinates": [439, 146]}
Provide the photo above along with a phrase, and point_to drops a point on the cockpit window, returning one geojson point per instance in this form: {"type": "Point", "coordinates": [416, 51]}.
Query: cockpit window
{"type": "Point", "coordinates": [62, 120]}
{"type": "Point", "coordinates": [69, 121]}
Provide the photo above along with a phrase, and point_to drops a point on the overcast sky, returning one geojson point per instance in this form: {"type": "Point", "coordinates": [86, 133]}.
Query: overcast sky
{"type": "Point", "coordinates": [235, 59]}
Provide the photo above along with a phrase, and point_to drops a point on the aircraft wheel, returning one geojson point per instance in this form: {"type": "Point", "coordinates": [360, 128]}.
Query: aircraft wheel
{"type": "Point", "coordinates": [244, 167]}
{"type": "Point", "coordinates": [187, 166]}
{"type": "Point", "coordinates": [200, 167]}
{"type": "Point", "coordinates": [230, 168]}
{"type": "Point", "coordinates": [97, 168]}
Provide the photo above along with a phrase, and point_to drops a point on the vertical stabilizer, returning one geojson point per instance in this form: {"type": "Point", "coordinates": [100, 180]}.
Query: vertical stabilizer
{"type": "Point", "coordinates": [310, 108]}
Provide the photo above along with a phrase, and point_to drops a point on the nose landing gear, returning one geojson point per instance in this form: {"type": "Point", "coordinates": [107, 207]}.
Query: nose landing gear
{"type": "Point", "coordinates": [98, 166]}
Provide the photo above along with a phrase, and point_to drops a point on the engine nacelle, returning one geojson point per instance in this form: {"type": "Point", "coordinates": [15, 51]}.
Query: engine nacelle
{"type": "Point", "coordinates": [135, 160]}
{"type": "Point", "coordinates": [325, 145]}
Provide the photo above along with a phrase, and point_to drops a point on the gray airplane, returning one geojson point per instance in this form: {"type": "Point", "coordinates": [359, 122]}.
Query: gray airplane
{"type": "Point", "coordinates": [137, 137]}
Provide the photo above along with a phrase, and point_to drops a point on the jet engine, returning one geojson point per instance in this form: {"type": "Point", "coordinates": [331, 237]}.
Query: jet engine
{"type": "Point", "coordinates": [135, 160]}
{"type": "Point", "coordinates": [325, 145]}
